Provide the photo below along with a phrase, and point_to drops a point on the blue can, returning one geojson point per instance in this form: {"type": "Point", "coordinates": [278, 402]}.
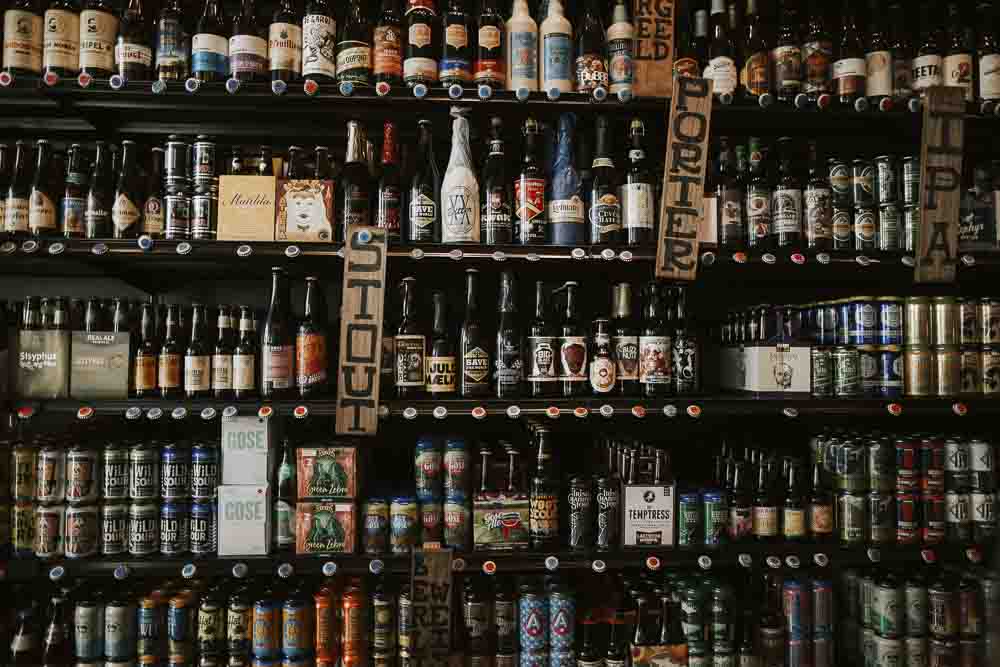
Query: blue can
{"type": "Point", "coordinates": [427, 468]}
{"type": "Point", "coordinates": [149, 627]}
{"type": "Point", "coordinates": [562, 621]}
{"type": "Point", "coordinates": [562, 659]}
{"type": "Point", "coordinates": [534, 658]}
{"type": "Point", "coordinates": [890, 320]}
{"type": "Point", "coordinates": [533, 608]}
{"type": "Point", "coordinates": [175, 472]}
{"type": "Point", "coordinates": [296, 629]}
{"type": "Point", "coordinates": [174, 528]}
{"type": "Point", "coordinates": [266, 629]}
{"type": "Point", "coordinates": [204, 533]}
{"type": "Point", "coordinates": [404, 525]}
{"type": "Point", "coordinates": [795, 602]}
{"type": "Point", "coordinates": [265, 662]}
{"type": "Point", "coordinates": [456, 469]}
{"type": "Point", "coordinates": [890, 369]}
{"type": "Point", "coordinates": [864, 321]}
{"type": "Point", "coordinates": [204, 471]}
{"type": "Point", "coordinates": [843, 321]}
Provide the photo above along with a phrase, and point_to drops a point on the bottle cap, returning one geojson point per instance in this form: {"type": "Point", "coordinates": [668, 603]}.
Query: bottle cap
{"type": "Point", "coordinates": [485, 92]}
{"type": "Point", "coordinates": [625, 95]}
{"type": "Point", "coordinates": [522, 94]}
{"type": "Point", "coordinates": [232, 85]}
{"type": "Point", "coordinates": [420, 90]}
{"type": "Point", "coordinates": [310, 87]}
{"type": "Point", "coordinates": [600, 94]}
{"type": "Point", "coordinates": [279, 87]}
{"type": "Point", "coordinates": [455, 91]}
{"type": "Point", "coordinates": [553, 93]}
{"type": "Point", "coordinates": [192, 85]}
{"type": "Point", "coordinates": [382, 88]}
{"type": "Point", "coordinates": [159, 86]}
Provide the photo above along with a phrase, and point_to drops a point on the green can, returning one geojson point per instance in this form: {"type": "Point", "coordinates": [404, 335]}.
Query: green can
{"type": "Point", "coordinates": [851, 518]}
{"type": "Point", "coordinates": [866, 592]}
{"type": "Point", "coordinates": [716, 518]}
{"type": "Point", "coordinates": [689, 519]}
{"type": "Point", "coordinates": [888, 606]}
{"type": "Point", "coordinates": [698, 654]}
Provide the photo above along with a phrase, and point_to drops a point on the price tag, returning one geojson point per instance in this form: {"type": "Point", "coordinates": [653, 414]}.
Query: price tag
{"type": "Point", "coordinates": [670, 411]}
{"type": "Point", "coordinates": [773, 562]}
{"type": "Point", "coordinates": [708, 258]}
{"type": "Point", "coordinates": [607, 411]}
{"type": "Point", "coordinates": [293, 251]}
{"type": "Point", "coordinates": [240, 570]}
{"type": "Point", "coordinates": [960, 409]}
{"type": "Point", "coordinates": [458, 565]}
{"type": "Point", "coordinates": [329, 568]}
{"type": "Point", "coordinates": [310, 87]}
{"type": "Point", "coordinates": [791, 413]}
{"type": "Point", "coordinates": [244, 250]}
{"type": "Point", "coordinates": [133, 413]}
{"type": "Point", "coordinates": [653, 563]}
{"type": "Point", "coordinates": [769, 258]}
{"type": "Point", "coordinates": [479, 412]}
{"type": "Point", "coordinates": [578, 253]}
{"type": "Point", "coordinates": [300, 412]}
{"type": "Point", "coordinates": [598, 566]}
{"type": "Point", "coordinates": [874, 555]}
{"type": "Point", "coordinates": [189, 570]}
{"type": "Point", "coordinates": [121, 572]}
{"type": "Point", "coordinates": [440, 412]}
{"type": "Point", "coordinates": [895, 409]}
{"type": "Point", "coordinates": [513, 411]}
{"type": "Point", "coordinates": [57, 573]}
{"type": "Point", "coordinates": [84, 413]}
{"type": "Point", "coordinates": [551, 563]}
{"type": "Point", "coordinates": [581, 413]}
{"type": "Point", "coordinates": [823, 258]}
{"type": "Point", "coordinates": [154, 414]}
{"type": "Point", "coordinates": [552, 412]}
{"type": "Point", "coordinates": [489, 567]}
{"type": "Point", "coordinates": [968, 260]}
{"type": "Point", "coordinates": [208, 414]}
{"type": "Point", "coordinates": [705, 562]}
{"type": "Point", "coordinates": [183, 248]}
{"type": "Point", "coordinates": [694, 411]}
{"type": "Point", "coordinates": [456, 254]}
{"type": "Point", "coordinates": [179, 413]}
{"type": "Point", "coordinates": [383, 411]}
{"type": "Point", "coordinates": [745, 560]}
{"type": "Point", "coordinates": [928, 556]}
{"type": "Point", "coordinates": [409, 413]}
{"type": "Point", "coordinates": [792, 562]}
{"type": "Point", "coordinates": [285, 570]}
{"type": "Point", "coordinates": [265, 411]}
{"type": "Point", "coordinates": [821, 559]}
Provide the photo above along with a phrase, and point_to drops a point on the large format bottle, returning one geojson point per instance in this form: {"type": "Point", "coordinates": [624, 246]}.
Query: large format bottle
{"type": "Point", "coordinates": [529, 190]}
{"type": "Point", "coordinates": [957, 61]}
{"type": "Point", "coordinates": [284, 501]}
{"type": "Point", "coordinates": [198, 357]}
{"type": "Point", "coordinates": [573, 348]}
{"type": "Point", "coordinates": [655, 364]}
{"type": "Point", "coordinates": [277, 346]}
{"type": "Point", "coordinates": [591, 52]}
{"type": "Point", "coordinates": [425, 187]}
{"type": "Point", "coordinates": [354, 48]}
{"type": "Point", "coordinates": [61, 42]}
{"type": "Point", "coordinates": [319, 42]}
{"type": "Point", "coordinates": [729, 200]}
{"type": "Point", "coordinates": [22, 38]}
{"type": "Point", "coordinates": [556, 64]}
{"type": "Point", "coordinates": [928, 65]}
{"type": "Point", "coordinates": [171, 43]}
{"type": "Point", "coordinates": [566, 198]}
{"type": "Point", "coordinates": [126, 214]}
{"type": "Point", "coordinates": [247, 48]}
{"type": "Point", "coordinates": [410, 345]}
{"type": "Point", "coordinates": [17, 205]}
{"type": "Point", "coordinates": [98, 34]}
{"type": "Point", "coordinates": [171, 362]}
{"type": "Point", "coordinates": [44, 197]}
{"type": "Point", "coordinates": [210, 45]}
{"type": "Point", "coordinates": [354, 185]}
{"type": "Point", "coordinates": [849, 69]}
{"type": "Point", "coordinates": [541, 352]}
{"type": "Point", "coordinates": [459, 188]}
{"type": "Point", "coordinates": [508, 362]}
{"type": "Point", "coordinates": [636, 193]}
{"type": "Point", "coordinates": [817, 55]}
{"type": "Point", "coordinates": [97, 217]}
{"type": "Point", "coordinates": [522, 49]}
{"type": "Point", "coordinates": [474, 358]}
{"type": "Point", "coordinates": [721, 65]}
{"type": "Point", "coordinates": [543, 519]}
{"type": "Point", "coordinates": [390, 190]}
{"type": "Point", "coordinates": [488, 68]}
{"type": "Point", "coordinates": [420, 65]}
{"type": "Point", "coordinates": [133, 51]}
{"type": "Point", "coordinates": [787, 55]}
{"type": "Point", "coordinates": [222, 355]}
{"type": "Point", "coordinates": [455, 66]}
{"type": "Point", "coordinates": [284, 43]}
{"type": "Point", "coordinates": [311, 349]}
{"type": "Point", "coordinates": [74, 199]}
{"type": "Point", "coordinates": [495, 223]}
{"type": "Point", "coordinates": [387, 47]}
{"type": "Point", "coordinates": [605, 213]}
{"type": "Point", "coordinates": [440, 377]}
{"type": "Point", "coordinates": [245, 357]}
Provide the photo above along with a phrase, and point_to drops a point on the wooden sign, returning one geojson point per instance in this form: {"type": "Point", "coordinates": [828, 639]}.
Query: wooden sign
{"type": "Point", "coordinates": [653, 58]}
{"type": "Point", "coordinates": [941, 184]}
{"type": "Point", "coordinates": [361, 310]}
{"type": "Point", "coordinates": [430, 596]}
{"type": "Point", "coordinates": [684, 179]}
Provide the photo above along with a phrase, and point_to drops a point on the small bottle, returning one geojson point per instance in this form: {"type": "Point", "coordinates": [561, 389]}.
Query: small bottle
{"type": "Point", "coordinates": [849, 69]}
{"type": "Point", "coordinates": [198, 358]}
{"type": "Point", "coordinates": [441, 362]}
{"type": "Point", "coordinates": [245, 357]}
{"type": "Point", "coordinates": [222, 356]}
{"type": "Point", "coordinates": [171, 43]}
{"type": "Point", "coordinates": [23, 38]}
{"type": "Point", "coordinates": [411, 345]}
{"type": "Point", "coordinates": [42, 220]}
{"type": "Point", "coordinates": [455, 66]}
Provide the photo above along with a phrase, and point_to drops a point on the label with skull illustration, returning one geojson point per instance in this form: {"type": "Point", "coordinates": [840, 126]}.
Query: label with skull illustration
{"type": "Point", "coordinates": [410, 361]}
{"type": "Point", "coordinates": [542, 358]}
{"type": "Point", "coordinates": [573, 358]}
{"type": "Point", "coordinates": [654, 360]}
{"type": "Point", "coordinates": [685, 364]}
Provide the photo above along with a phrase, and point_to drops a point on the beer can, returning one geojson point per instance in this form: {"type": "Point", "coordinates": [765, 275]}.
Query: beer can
{"type": "Point", "coordinates": [846, 372]}
{"type": "Point", "coordinates": [881, 518]}
{"type": "Point", "coordinates": [177, 216]}
{"type": "Point", "coordinates": [911, 180]}
{"type": "Point", "coordinates": [944, 321]}
{"type": "Point", "coordinates": [176, 163]}
{"type": "Point", "coordinates": [934, 523]}
{"type": "Point", "coordinates": [916, 651]}
{"type": "Point", "coordinates": [456, 469]}
{"type": "Point", "coordinates": [932, 453]}
{"type": "Point", "coordinates": [48, 532]}
{"type": "Point", "coordinates": [890, 320]}
{"type": "Point", "coordinates": [608, 500]}
{"type": "Point", "coordinates": [863, 180]}
{"type": "Point", "coordinates": [866, 588]}
{"type": "Point", "coordinates": [988, 321]}
{"type": "Point", "coordinates": [457, 524]}
{"type": "Point", "coordinates": [150, 630]}
{"type": "Point", "coordinates": [404, 529]}
{"type": "Point", "coordinates": [431, 521]}
{"type": "Point", "coordinates": [890, 227]}
{"type": "Point", "coordinates": [868, 358]}
{"type": "Point", "coordinates": [716, 515]}
{"type": "Point", "coordinates": [947, 370]}
{"type": "Point", "coordinates": [864, 321]}
{"type": "Point", "coordinates": [918, 371]}
{"type": "Point", "coordinates": [851, 518]}
{"type": "Point", "coordinates": [911, 228]}
{"type": "Point", "coordinates": [266, 628]}
{"type": "Point", "coordinates": [907, 465]}
{"type": "Point", "coordinates": [971, 370]}
{"type": "Point", "coordinates": [841, 182]}
{"type": "Point", "coordinates": [942, 607]}
{"type": "Point", "coordinates": [887, 606]}
{"type": "Point", "coordinates": [797, 609]}
{"type": "Point", "coordinates": [204, 166]}
{"type": "Point", "coordinates": [823, 651]}
{"type": "Point", "coordinates": [25, 470]}
{"type": "Point", "coordinates": [535, 659]}
{"type": "Point", "coordinates": [375, 531]}
{"type": "Point", "coordinates": [82, 531]}
{"type": "Point", "coordinates": [427, 465]}
{"type": "Point", "coordinates": [144, 472]}
{"type": "Point", "coordinates": [821, 382]}
{"type": "Point", "coordinates": [181, 618]}
{"type": "Point", "coordinates": [984, 527]}
{"type": "Point", "coordinates": [204, 471]}
{"type": "Point", "coordinates": [119, 628]}
{"type": "Point", "coordinates": [989, 363]}
{"type": "Point", "coordinates": [114, 472]}
{"type": "Point", "coordinates": [888, 650]}
{"type": "Point", "coordinates": [943, 653]}
{"type": "Point", "coordinates": [88, 629]}
{"type": "Point", "coordinates": [970, 609]}
{"type": "Point", "coordinates": [175, 522]}
{"type": "Point", "coordinates": [211, 624]}
{"type": "Point", "coordinates": [579, 501]}
{"type": "Point", "coordinates": [82, 476]}
{"type": "Point", "coordinates": [917, 321]}
{"type": "Point", "coordinates": [203, 528]}
{"type": "Point", "coordinates": [865, 229]}
{"type": "Point", "coordinates": [907, 524]}
{"type": "Point", "coordinates": [843, 228]}
{"type": "Point", "coordinates": [384, 622]}
{"type": "Point", "coordinates": [915, 599]}
{"type": "Point", "coordinates": [175, 472]}
{"type": "Point", "coordinates": [50, 475]}
{"type": "Point", "coordinates": [204, 217]}
{"type": "Point", "coordinates": [957, 466]}
{"type": "Point", "coordinates": [958, 522]}
{"type": "Point", "coordinates": [822, 606]}
{"type": "Point", "coordinates": [143, 529]}
{"type": "Point", "coordinates": [296, 628]}
{"type": "Point", "coordinates": [886, 179]}
{"type": "Point", "coordinates": [689, 519]}
{"type": "Point", "coordinates": [968, 322]}
{"type": "Point", "coordinates": [981, 464]}
{"type": "Point", "coordinates": [239, 625]}
{"type": "Point", "coordinates": [852, 462]}
{"type": "Point", "coordinates": [533, 611]}
{"type": "Point", "coordinates": [890, 371]}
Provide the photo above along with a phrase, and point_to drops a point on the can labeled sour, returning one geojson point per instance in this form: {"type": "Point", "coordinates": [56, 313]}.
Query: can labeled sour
{"type": "Point", "coordinates": [204, 532]}
{"type": "Point", "coordinates": [144, 472]}
{"type": "Point", "coordinates": [143, 529]}
{"type": "Point", "coordinates": [689, 519]}
{"type": "Point", "coordinates": [175, 472]}
{"type": "Point", "coordinates": [114, 529]}
{"type": "Point", "coordinates": [204, 471]}
{"type": "Point", "coordinates": [174, 528]}
{"type": "Point", "coordinates": [114, 473]}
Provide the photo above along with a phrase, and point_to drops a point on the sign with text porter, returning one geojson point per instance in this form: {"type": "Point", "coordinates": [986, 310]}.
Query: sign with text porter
{"type": "Point", "coordinates": [684, 179]}
{"type": "Point", "coordinates": [362, 305]}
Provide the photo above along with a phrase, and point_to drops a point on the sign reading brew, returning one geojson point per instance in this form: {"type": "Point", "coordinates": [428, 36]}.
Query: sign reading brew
{"type": "Point", "coordinates": [653, 59]}
{"type": "Point", "coordinates": [941, 184]}
{"type": "Point", "coordinates": [361, 331]}
{"type": "Point", "coordinates": [430, 596]}
{"type": "Point", "coordinates": [684, 179]}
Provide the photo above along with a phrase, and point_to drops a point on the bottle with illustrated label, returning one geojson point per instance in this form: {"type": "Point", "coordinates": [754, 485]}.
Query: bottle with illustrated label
{"type": "Point", "coordinates": [152, 204]}
{"type": "Point", "coordinates": [787, 54]}
{"type": "Point", "coordinates": [489, 66]}
{"type": "Point", "coordinates": [928, 64]}
{"type": "Point", "coordinates": [786, 204]}
{"type": "Point", "coordinates": [508, 363]}
{"type": "Point", "coordinates": [387, 46]}
{"type": "Point", "coordinates": [849, 69]}
{"type": "Point", "coordinates": [495, 220]}
{"type": "Point", "coordinates": [245, 356]}
{"type": "Point", "coordinates": [988, 52]}
{"type": "Point", "coordinates": [636, 194]}
{"type": "Point", "coordinates": [390, 188]}
{"type": "Point", "coordinates": [354, 47]}
{"type": "Point", "coordinates": [604, 213]}
{"type": "Point", "coordinates": [817, 56]}
{"type": "Point", "coordinates": [133, 51]}
{"type": "Point", "coordinates": [73, 204]}
{"type": "Point", "coordinates": [522, 49]}
{"type": "Point", "coordinates": [573, 347]}
{"type": "Point", "coordinates": [541, 352]}
{"type": "Point", "coordinates": [624, 341]}
{"type": "Point", "coordinates": [126, 216]}
{"type": "Point", "coordinates": [23, 38]}
{"type": "Point", "coordinates": [655, 365]}
{"type": "Point", "coordinates": [16, 207]}
{"type": "Point", "coordinates": [44, 197]}
{"type": "Point", "coordinates": [319, 42]}
{"type": "Point", "coordinates": [284, 43]}
{"type": "Point", "coordinates": [97, 216]}
{"type": "Point", "coordinates": [61, 41]}
{"type": "Point", "coordinates": [459, 187]}
{"type": "Point", "coordinates": [878, 58]}
{"type": "Point", "coordinates": [455, 66]}
{"type": "Point", "coordinates": [247, 46]}
{"type": "Point", "coordinates": [529, 191]}
{"type": "Point", "coordinates": [420, 64]}
{"type": "Point", "coordinates": [171, 43]}
{"type": "Point", "coordinates": [198, 357]}
{"type": "Point", "coordinates": [210, 45]}
{"type": "Point", "coordinates": [566, 198]}
{"type": "Point", "coordinates": [818, 217]}
{"type": "Point", "coordinates": [692, 54]}
{"type": "Point", "coordinates": [721, 64]}
{"type": "Point", "coordinates": [755, 75]}
{"type": "Point", "coordinates": [425, 188]}
{"type": "Point", "coordinates": [959, 52]}
{"type": "Point", "coordinates": [171, 362]}
{"type": "Point", "coordinates": [474, 360]}
{"type": "Point", "coordinates": [410, 345]}
{"type": "Point", "coordinates": [311, 343]}
{"type": "Point", "coordinates": [591, 53]}
{"type": "Point", "coordinates": [620, 51]}
{"type": "Point", "coordinates": [901, 49]}
{"type": "Point", "coordinates": [729, 200]}
{"type": "Point", "coordinates": [222, 355]}
{"type": "Point", "coordinates": [277, 345]}
{"type": "Point", "coordinates": [556, 60]}
{"type": "Point", "coordinates": [98, 35]}
{"type": "Point", "coordinates": [603, 365]}
{"type": "Point", "coordinates": [441, 363]}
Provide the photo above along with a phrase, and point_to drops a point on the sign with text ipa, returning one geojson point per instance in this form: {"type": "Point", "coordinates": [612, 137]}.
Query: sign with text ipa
{"type": "Point", "coordinates": [430, 595]}
{"type": "Point", "coordinates": [361, 310]}
{"type": "Point", "coordinates": [940, 184]}
{"type": "Point", "coordinates": [684, 179]}
{"type": "Point", "coordinates": [653, 58]}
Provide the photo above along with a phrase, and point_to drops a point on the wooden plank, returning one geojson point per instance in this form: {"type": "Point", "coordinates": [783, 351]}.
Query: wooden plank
{"type": "Point", "coordinates": [653, 59]}
{"type": "Point", "coordinates": [431, 596]}
{"type": "Point", "coordinates": [361, 311]}
{"type": "Point", "coordinates": [941, 184]}
{"type": "Point", "coordinates": [684, 179]}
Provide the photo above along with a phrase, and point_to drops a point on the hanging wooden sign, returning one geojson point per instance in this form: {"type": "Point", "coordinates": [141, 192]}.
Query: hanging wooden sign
{"type": "Point", "coordinates": [430, 596]}
{"type": "Point", "coordinates": [653, 57]}
{"type": "Point", "coordinates": [940, 184]}
{"type": "Point", "coordinates": [684, 179]}
{"type": "Point", "coordinates": [361, 311]}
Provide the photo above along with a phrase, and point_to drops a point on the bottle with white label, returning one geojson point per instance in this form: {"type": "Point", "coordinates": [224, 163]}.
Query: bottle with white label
{"type": "Point", "coordinates": [522, 49]}
{"type": "Point", "coordinates": [98, 34]}
{"type": "Point", "coordinates": [284, 43]}
{"type": "Point", "coordinates": [22, 39]}
{"type": "Point", "coordinates": [988, 51]}
{"type": "Point", "coordinates": [621, 44]}
{"type": "Point", "coordinates": [556, 51]}
{"type": "Point", "coordinates": [61, 43]}
{"type": "Point", "coordinates": [636, 193]}
{"type": "Point", "coordinates": [721, 67]}
{"type": "Point", "coordinates": [459, 187]}
{"type": "Point", "coordinates": [958, 56]}
{"type": "Point", "coordinates": [928, 64]}
{"type": "Point", "coordinates": [15, 220]}
{"type": "Point", "coordinates": [878, 60]}
{"type": "Point", "coordinates": [319, 42]}
{"type": "Point", "coordinates": [210, 45]}
{"type": "Point", "coordinates": [44, 198]}
{"type": "Point", "coordinates": [247, 49]}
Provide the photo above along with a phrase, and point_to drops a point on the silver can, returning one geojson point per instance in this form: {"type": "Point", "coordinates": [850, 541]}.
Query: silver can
{"type": "Point", "coordinates": [988, 317]}
{"type": "Point", "coordinates": [917, 321]}
{"type": "Point", "coordinates": [947, 370]}
{"type": "Point", "coordinates": [144, 472]}
{"type": "Point", "coordinates": [890, 227]}
{"type": "Point", "coordinates": [916, 651]}
{"type": "Point", "coordinates": [989, 364]}
{"type": "Point", "coordinates": [143, 529]}
{"type": "Point", "coordinates": [204, 217]}
{"type": "Point", "coordinates": [968, 317]}
{"type": "Point", "coordinates": [911, 180]}
{"type": "Point", "coordinates": [886, 179]}
{"type": "Point", "coordinates": [114, 529]}
{"type": "Point", "coordinates": [911, 228]}
{"type": "Point", "coordinates": [868, 359]}
{"type": "Point", "coordinates": [846, 372]}
{"type": "Point", "coordinates": [944, 321]}
{"type": "Point", "coordinates": [50, 473]}
{"type": "Point", "coordinates": [119, 628]}
{"type": "Point", "coordinates": [114, 473]}
{"type": "Point", "coordinates": [918, 370]}
{"type": "Point", "coordinates": [177, 216]}
{"type": "Point", "coordinates": [82, 530]}
{"type": "Point", "coordinates": [915, 596]}
{"type": "Point", "coordinates": [822, 372]}
{"type": "Point", "coordinates": [88, 629]}
{"type": "Point", "coordinates": [972, 370]}
{"type": "Point", "coordinates": [49, 531]}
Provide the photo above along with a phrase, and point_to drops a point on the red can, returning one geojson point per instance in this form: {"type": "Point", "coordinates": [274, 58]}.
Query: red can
{"type": "Point", "coordinates": [907, 466]}
{"type": "Point", "coordinates": [934, 520]}
{"type": "Point", "coordinates": [932, 465]}
{"type": "Point", "coordinates": [907, 518]}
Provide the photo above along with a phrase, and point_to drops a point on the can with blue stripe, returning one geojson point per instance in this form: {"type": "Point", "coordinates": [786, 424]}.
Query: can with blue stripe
{"type": "Point", "coordinates": [296, 630]}
{"type": "Point", "coordinates": [890, 371]}
{"type": "Point", "coordinates": [843, 321]}
{"type": "Point", "coordinates": [825, 323]}
{"type": "Point", "coordinates": [890, 320]}
{"type": "Point", "coordinates": [533, 608]}
{"type": "Point", "coordinates": [174, 528]}
{"type": "Point", "coordinates": [796, 604]}
{"type": "Point", "coordinates": [175, 471]}
{"type": "Point", "coordinates": [266, 628]}
{"type": "Point", "coordinates": [204, 533]}
{"type": "Point", "coordinates": [150, 637]}
{"type": "Point", "coordinates": [562, 620]}
{"type": "Point", "coordinates": [204, 471]}
{"type": "Point", "coordinates": [864, 321]}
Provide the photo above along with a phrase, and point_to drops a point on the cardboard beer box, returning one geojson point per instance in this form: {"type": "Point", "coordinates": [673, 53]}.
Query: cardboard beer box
{"type": "Point", "coordinates": [304, 210]}
{"type": "Point", "coordinates": [42, 364]}
{"type": "Point", "coordinates": [500, 522]}
{"type": "Point", "coordinates": [248, 446]}
{"type": "Point", "coordinates": [322, 528]}
{"type": "Point", "coordinates": [648, 519]}
{"type": "Point", "coordinates": [779, 368]}
{"type": "Point", "coordinates": [327, 472]}
{"type": "Point", "coordinates": [244, 520]}
{"type": "Point", "coordinates": [99, 366]}
{"type": "Point", "coordinates": [246, 208]}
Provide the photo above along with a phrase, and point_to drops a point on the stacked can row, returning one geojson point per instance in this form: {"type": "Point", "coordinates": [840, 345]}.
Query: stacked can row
{"type": "Point", "coordinates": [876, 203]}
{"type": "Point", "coordinates": [808, 609]}
{"type": "Point", "coordinates": [547, 627]}
{"type": "Point", "coordinates": [190, 188]}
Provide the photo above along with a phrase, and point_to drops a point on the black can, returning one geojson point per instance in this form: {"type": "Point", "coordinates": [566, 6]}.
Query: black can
{"type": "Point", "coordinates": [505, 620]}
{"type": "Point", "coordinates": [608, 500]}
{"type": "Point", "coordinates": [957, 514]}
{"type": "Point", "coordinates": [176, 177]}
{"type": "Point", "coordinates": [204, 217]}
{"type": "Point", "coordinates": [177, 216]}
{"type": "Point", "coordinates": [822, 372]}
{"type": "Point", "coordinates": [114, 473]}
{"type": "Point", "coordinates": [840, 183]}
{"type": "Point", "coordinates": [911, 180]}
{"type": "Point", "coordinates": [890, 227]}
{"type": "Point", "coordinates": [846, 372]}
{"type": "Point", "coordinates": [204, 169]}
{"type": "Point", "coordinates": [863, 182]}
{"type": "Point", "coordinates": [843, 229]}
{"type": "Point", "coordinates": [581, 513]}
{"type": "Point", "coordinates": [865, 229]}
{"type": "Point", "coordinates": [881, 518]}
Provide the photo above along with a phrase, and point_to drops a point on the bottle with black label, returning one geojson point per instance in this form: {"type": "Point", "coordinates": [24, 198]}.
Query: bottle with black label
{"type": "Point", "coordinates": [19, 193]}
{"type": "Point", "coordinates": [591, 51]}
{"type": "Point", "coordinates": [44, 196]}
{"type": "Point", "coordinates": [126, 215]}
{"type": "Point", "coordinates": [61, 41]}
{"type": "Point", "coordinates": [655, 365]}
{"type": "Point", "coordinates": [171, 364]}
{"type": "Point", "coordinates": [490, 65]}
{"type": "Point", "coordinates": [543, 526]}
{"type": "Point", "coordinates": [354, 47]}
{"type": "Point", "coordinates": [684, 348]}
{"type": "Point", "coordinates": [474, 349]}
{"type": "Point", "coordinates": [508, 362]}
{"type": "Point", "coordinates": [277, 343]}
{"type": "Point", "coordinates": [566, 201]}
{"type": "Point", "coordinates": [455, 67]}
{"type": "Point", "coordinates": [729, 200]}
{"type": "Point", "coordinates": [786, 204]}
{"type": "Point", "coordinates": [284, 43]}
{"type": "Point", "coordinates": [721, 65]}
{"type": "Point", "coordinates": [146, 356]}
{"type": "Point", "coordinates": [74, 198]}
{"type": "Point", "coordinates": [787, 55]}
{"type": "Point", "coordinates": [529, 191]}
{"type": "Point", "coordinates": [605, 212]}
{"type": "Point", "coordinates": [98, 34]}
{"type": "Point", "coordinates": [440, 381]}
{"type": "Point", "coordinates": [573, 347]}
{"type": "Point", "coordinates": [354, 184]}
{"type": "Point", "coordinates": [97, 217]}
{"type": "Point", "coordinates": [849, 69]}
{"type": "Point", "coordinates": [245, 357]}
{"type": "Point", "coordinates": [390, 191]}
{"type": "Point", "coordinates": [425, 188]}
{"type": "Point", "coordinates": [134, 52]}
{"type": "Point", "coordinates": [495, 219]}
{"type": "Point", "coordinates": [410, 345]}
{"type": "Point", "coordinates": [818, 220]}
{"type": "Point", "coordinates": [542, 351]}
{"type": "Point", "coordinates": [638, 204]}
{"type": "Point", "coordinates": [420, 64]}
{"type": "Point", "coordinates": [210, 45]}
{"type": "Point", "coordinates": [319, 42]}
{"type": "Point", "coordinates": [311, 343]}
{"type": "Point", "coordinates": [624, 341]}
{"type": "Point", "coordinates": [247, 48]}
{"type": "Point", "coordinates": [740, 503]}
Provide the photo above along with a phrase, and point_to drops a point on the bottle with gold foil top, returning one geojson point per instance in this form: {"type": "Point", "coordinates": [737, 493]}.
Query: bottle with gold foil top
{"type": "Point", "coordinates": [455, 66]}
{"type": "Point", "coordinates": [460, 188]}
{"type": "Point", "coordinates": [390, 194]}
{"type": "Point", "coordinates": [755, 76]}
{"type": "Point", "coordinates": [42, 201]}
{"type": "Point", "coordinates": [420, 65]}
{"type": "Point", "coordinates": [387, 46]}
{"type": "Point", "coordinates": [489, 66]}
{"type": "Point", "coordinates": [61, 43]}
{"type": "Point", "coordinates": [98, 34]}
{"type": "Point", "coordinates": [22, 38]}
{"type": "Point", "coordinates": [125, 212]}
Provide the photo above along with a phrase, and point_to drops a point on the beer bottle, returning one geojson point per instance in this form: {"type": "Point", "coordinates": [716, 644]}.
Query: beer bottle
{"type": "Point", "coordinates": [729, 200]}
{"type": "Point", "coordinates": [495, 217]}
{"type": "Point", "coordinates": [820, 508]}
{"type": "Point", "coordinates": [247, 48]}
{"type": "Point", "coordinates": [277, 348]}
{"type": "Point", "coordinates": [5, 176]}
{"type": "Point", "coordinates": [323, 169]}
{"type": "Point", "coordinates": [588, 655]}
{"type": "Point", "coordinates": [171, 362]}
{"type": "Point", "coordinates": [354, 47]}
{"type": "Point", "coordinates": [755, 76]}
{"type": "Point", "coordinates": [621, 45]}
{"type": "Point", "coordinates": [636, 193]}
{"type": "Point", "coordinates": [958, 54]}
{"type": "Point", "coordinates": [786, 204]}
{"type": "Point", "coordinates": [748, 654]}
{"type": "Point", "coordinates": [387, 44]}
{"type": "Point", "coordinates": [459, 187]}
{"type": "Point", "coordinates": [152, 205]}
{"type": "Point", "coordinates": [901, 51]}
{"type": "Point", "coordinates": [740, 503]}
{"type": "Point", "coordinates": [125, 213]}
{"type": "Point", "coordinates": [793, 518]}
{"type": "Point", "coordinates": [817, 54]}
{"type": "Point", "coordinates": [420, 65]}
{"type": "Point", "coordinates": [22, 38]}
{"type": "Point", "coordinates": [147, 355]}
{"type": "Point", "coordinates": [624, 341]}
{"type": "Point", "coordinates": [692, 57]}
{"type": "Point", "coordinates": [566, 201]}
{"type": "Point", "coordinates": [390, 194]}
{"type": "Point", "coordinates": [489, 66]}
{"type": "Point", "coordinates": [284, 43]}
{"type": "Point", "coordinates": [760, 221]}
{"type": "Point", "coordinates": [529, 190]}
{"type": "Point", "coordinates": [440, 380]}
{"type": "Point", "coordinates": [319, 40]}
{"type": "Point", "coordinates": [210, 45]}
{"type": "Point", "coordinates": [988, 53]}
{"type": "Point", "coordinates": [98, 34]}
{"type": "Point", "coordinates": [97, 217]}
{"type": "Point", "coordinates": [787, 55]}
{"type": "Point", "coordinates": [720, 64]}
{"type": "Point", "coordinates": [556, 51]}
{"type": "Point", "coordinates": [474, 355]}
{"type": "Point", "coordinates": [455, 66]}
{"type": "Point", "coordinates": [573, 347]}
{"type": "Point", "coordinates": [878, 58]}
{"type": "Point", "coordinates": [198, 358]}
{"type": "Point", "coordinates": [591, 52]}
{"type": "Point", "coordinates": [265, 162]}
{"type": "Point", "coordinates": [640, 633]}
{"type": "Point", "coordinates": [410, 346]}
{"type": "Point", "coordinates": [284, 501]}
{"type": "Point", "coordinates": [654, 346]}
{"type": "Point", "coordinates": [522, 50]}
{"type": "Point", "coordinates": [222, 358]}
{"type": "Point", "coordinates": [312, 357]}
{"type": "Point", "coordinates": [43, 197]}
{"type": "Point", "coordinates": [61, 42]}
{"type": "Point", "coordinates": [425, 188]}
{"type": "Point", "coordinates": [770, 626]}
{"type": "Point", "coordinates": [928, 64]}
{"type": "Point", "coordinates": [133, 54]}
{"type": "Point", "coordinates": [509, 362]}
{"type": "Point", "coordinates": [542, 349]}
{"type": "Point", "coordinates": [171, 43]}
{"type": "Point", "coordinates": [849, 69]}
{"type": "Point", "coordinates": [765, 509]}
{"type": "Point", "coordinates": [245, 358]}
{"type": "Point", "coordinates": [603, 365]}
{"type": "Point", "coordinates": [25, 648]}
{"type": "Point", "coordinates": [93, 320]}
{"type": "Point", "coordinates": [686, 358]}
{"type": "Point", "coordinates": [57, 644]}
{"type": "Point", "coordinates": [543, 527]}
{"type": "Point", "coordinates": [354, 196]}
{"type": "Point", "coordinates": [17, 207]}
{"type": "Point", "coordinates": [617, 654]}
{"type": "Point", "coordinates": [605, 212]}
{"type": "Point", "coordinates": [74, 199]}
{"type": "Point", "coordinates": [818, 221]}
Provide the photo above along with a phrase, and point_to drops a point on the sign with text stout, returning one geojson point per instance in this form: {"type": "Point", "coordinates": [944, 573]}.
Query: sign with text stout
{"type": "Point", "coordinates": [940, 184]}
{"type": "Point", "coordinates": [684, 179]}
{"type": "Point", "coordinates": [361, 330]}
{"type": "Point", "coordinates": [653, 58]}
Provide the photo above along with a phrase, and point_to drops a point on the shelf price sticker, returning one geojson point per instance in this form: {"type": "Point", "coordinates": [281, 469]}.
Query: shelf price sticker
{"type": "Point", "coordinates": [440, 412]}
{"type": "Point", "coordinates": [598, 566]}
{"type": "Point", "coordinates": [85, 413]}
{"type": "Point", "coordinates": [8, 247]}
{"type": "Point", "coordinates": [458, 565]}
{"type": "Point", "coordinates": [821, 559]}
{"type": "Point", "coordinates": [960, 409]}
{"type": "Point", "coordinates": [122, 572]}
{"type": "Point", "coordinates": [293, 251]}
{"type": "Point", "coordinates": [329, 568]}
{"type": "Point", "coordinates": [823, 258]}
{"type": "Point", "coordinates": [653, 563]}
{"type": "Point", "coordinates": [607, 254]}
{"type": "Point", "coordinates": [183, 248]}
{"type": "Point", "coordinates": [740, 257]}
{"type": "Point", "coordinates": [863, 260]}
{"type": "Point", "coordinates": [708, 258]}
{"type": "Point", "coordinates": [639, 412]}
{"type": "Point", "coordinates": [229, 412]}
{"type": "Point", "coordinates": [773, 562]}
{"type": "Point", "coordinates": [533, 257]}
{"type": "Point", "coordinates": [793, 562]}
{"type": "Point", "coordinates": [607, 411]}
{"type": "Point", "coordinates": [189, 570]}
{"type": "Point", "coordinates": [513, 411]}
{"type": "Point", "coordinates": [895, 409]}
{"type": "Point", "coordinates": [928, 556]}
{"type": "Point", "coordinates": [499, 256]}
{"type": "Point", "coordinates": [410, 413]}
{"type": "Point", "coordinates": [240, 570]}
{"type": "Point", "coordinates": [29, 247]}
{"type": "Point", "coordinates": [791, 413]}
{"type": "Point", "coordinates": [705, 562]}
{"type": "Point", "coordinates": [479, 412]}
{"type": "Point", "coordinates": [551, 563]}
{"type": "Point", "coordinates": [490, 567]}
{"type": "Point", "coordinates": [578, 253]}
{"type": "Point", "coordinates": [626, 256]}
{"type": "Point", "coordinates": [745, 560]}
{"type": "Point", "coordinates": [874, 555]}
{"type": "Point", "coordinates": [456, 254]}
{"type": "Point", "coordinates": [99, 249]}
{"type": "Point", "coordinates": [57, 573]}
{"type": "Point", "coordinates": [909, 261]}
{"type": "Point", "coordinates": [300, 412]}
{"type": "Point", "coordinates": [417, 253]}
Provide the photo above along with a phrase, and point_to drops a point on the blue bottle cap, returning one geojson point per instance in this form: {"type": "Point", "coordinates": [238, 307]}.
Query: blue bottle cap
{"type": "Point", "coordinates": [600, 94]}
{"type": "Point", "coordinates": [232, 85]}
{"type": "Point", "coordinates": [117, 81]}
{"type": "Point", "coordinates": [455, 91]}
{"type": "Point", "coordinates": [346, 88]}
{"type": "Point", "coordinates": [625, 95]}
{"type": "Point", "coordinates": [485, 92]}
{"type": "Point", "coordinates": [522, 94]}
{"type": "Point", "coordinates": [279, 87]}
{"type": "Point", "coordinates": [420, 90]}
{"type": "Point", "coordinates": [553, 93]}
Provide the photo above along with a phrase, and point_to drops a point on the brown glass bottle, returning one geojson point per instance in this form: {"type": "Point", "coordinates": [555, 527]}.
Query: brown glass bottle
{"type": "Point", "coordinates": [655, 365]}
{"type": "Point", "coordinates": [277, 345]}
{"type": "Point", "coordinates": [171, 362]}
{"type": "Point", "coordinates": [390, 192]}
{"type": "Point", "coordinates": [473, 347]}
{"type": "Point", "coordinates": [849, 69]}
{"type": "Point", "coordinates": [410, 345]}
{"type": "Point", "coordinates": [57, 642]}
{"type": "Point", "coordinates": [755, 75]}
{"type": "Point", "coordinates": [44, 197]}
{"type": "Point", "coordinates": [387, 46]}
{"type": "Point", "coordinates": [787, 54]}
{"type": "Point", "coordinates": [198, 358]}
{"type": "Point", "coordinates": [508, 360]}
{"type": "Point", "coordinates": [573, 347]}
{"type": "Point", "coordinates": [147, 355]}
{"type": "Point", "coordinates": [311, 346]}
{"type": "Point", "coordinates": [222, 356]}
{"type": "Point", "coordinates": [765, 509]}
{"type": "Point", "coordinates": [98, 33]}
{"type": "Point", "coordinates": [541, 349]}
{"type": "Point", "coordinates": [820, 508]}
{"type": "Point", "coordinates": [133, 52]}
{"type": "Point", "coordinates": [126, 215]}
{"type": "Point", "coordinates": [245, 357]}
{"type": "Point", "coordinates": [544, 515]}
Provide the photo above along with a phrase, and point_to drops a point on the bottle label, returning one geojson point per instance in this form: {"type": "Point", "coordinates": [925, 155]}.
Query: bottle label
{"type": "Point", "coordinates": [541, 353]}
{"type": "Point", "coordinates": [244, 372]}
{"type": "Point", "coordinates": [247, 54]}
{"type": "Point", "coordinates": [145, 372]}
{"type": "Point", "coordinates": [524, 57]}
{"type": "Point", "coordinates": [569, 211]}
{"type": "Point", "coordinates": [441, 375]}
{"type": "Point", "coordinates": [170, 44]}
{"type": "Point", "coordinates": [16, 215]}
{"type": "Point", "coordinates": [133, 54]}
{"type": "Point", "coordinates": [73, 210]}
{"type": "Point", "coordinates": [722, 72]}
{"type": "Point", "coordinates": [621, 74]}
{"type": "Point", "coordinates": [989, 77]}
{"type": "Point", "coordinates": [169, 375]}
{"type": "Point", "coordinates": [390, 204]}
{"type": "Point", "coordinates": [460, 195]}
{"type": "Point", "coordinates": [794, 523]}
{"type": "Point", "coordinates": [958, 72]}
{"type": "Point", "coordinates": [902, 76]}
{"type": "Point", "coordinates": [284, 47]}
{"type": "Point", "coordinates": [821, 519]}
{"type": "Point", "coordinates": [787, 67]}
{"type": "Point", "coordinates": [489, 67]}
{"type": "Point", "coordinates": [357, 209]}
{"type": "Point", "coordinates": [152, 216]}
{"type": "Point", "coordinates": [880, 75]}
{"type": "Point", "coordinates": [729, 209]}
{"type": "Point", "coordinates": [496, 210]}
{"type": "Point", "coordinates": [654, 360]}
{"type": "Point", "coordinates": [423, 211]}
{"type": "Point", "coordinates": [61, 47]}
{"type": "Point", "coordinates": [591, 72]}
{"type": "Point", "coordinates": [557, 57]}
{"type": "Point", "coordinates": [410, 361]}
{"type": "Point", "coordinates": [455, 68]}
{"type": "Point", "coordinates": [456, 35]}
{"type": "Point", "coordinates": [98, 32]}
{"type": "Point", "coordinates": [210, 53]}
{"type": "Point", "coordinates": [602, 372]}
{"type": "Point", "coordinates": [222, 372]}
{"type": "Point", "coordinates": [818, 213]}
{"type": "Point", "coordinates": [740, 522]}
{"type": "Point", "coordinates": [759, 213]}
{"type": "Point", "coordinates": [197, 373]}
{"type": "Point", "coordinates": [490, 37]}
{"type": "Point", "coordinates": [850, 75]}
{"type": "Point", "coordinates": [543, 516]}
{"type": "Point", "coordinates": [416, 70]}
{"type": "Point", "coordinates": [311, 359]}
{"type": "Point", "coordinates": [765, 521]}
{"type": "Point", "coordinates": [637, 205]}
{"type": "Point", "coordinates": [927, 72]}
{"type": "Point", "coordinates": [626, 356]}
{"type": "Point", "coordinates": [420, 34]}
{"type": "Point", "coordinates": [510, 368]}
{"type": "Point", "coordinates": [388, 52]}
{"type": "Point", "coordinates": [319, 45]}
{"type": "Point", "coordinates": [530, 196]}
{"type": "Point", "coordinates": [605, 216]}
{"type": "Point", "coordinates": [277, 366]}
{"type": "Point", "coordinates": [756, 74]}
{"type": "Point", "coordinates": [41, 213]}
{"type": "Point", "coordinates": [787, 211]}
{"type": "Point", "coordinates": [476, 367]}
{"type": "Point", "coordinates": [124, 213]}
{"type": "Point", "coordinates": [816, 58]}
{"type": "Point", "coordinates": [22, 40]}
{"type": "Point", "coordinates": [573, 358]}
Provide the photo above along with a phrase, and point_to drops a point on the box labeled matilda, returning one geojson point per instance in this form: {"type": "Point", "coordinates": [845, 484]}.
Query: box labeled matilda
{"type": "Point", "coordinates": [248, 446]}
{"type": "Point", "coordinates": [649, 515]}
{"type": "Point", "coordinates": [500, 521]}
{"type": "Point", "coordinates": [322, 528]}
{"type": "Point", "coordinates": [244, 520]}
{"type": "Point", "coordinates": [327, 472]}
